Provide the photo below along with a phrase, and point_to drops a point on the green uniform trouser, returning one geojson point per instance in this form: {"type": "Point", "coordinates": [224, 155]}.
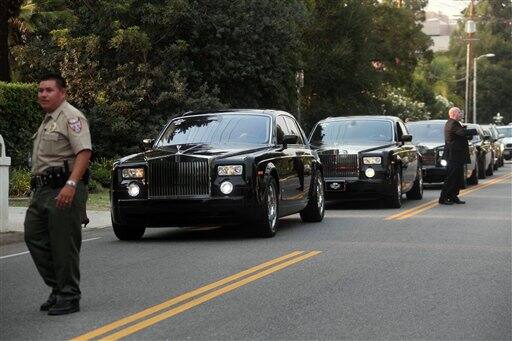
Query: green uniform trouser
{"type": "Point", "coordinates": [54, 237]}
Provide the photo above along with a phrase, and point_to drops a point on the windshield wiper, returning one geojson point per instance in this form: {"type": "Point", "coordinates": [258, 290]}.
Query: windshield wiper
{"type": "Point", "coordinates": [193, 147]}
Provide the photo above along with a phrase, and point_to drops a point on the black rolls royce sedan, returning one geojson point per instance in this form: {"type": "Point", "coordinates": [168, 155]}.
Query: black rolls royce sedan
{"type": "Point", "coordinates": [483, 145]}
{"type": "Point", "coordinates": [224, 167]}
{"type": "Point", "coordinates": [428, 136]}
{"type": "Point", "coordinates": [368, 157]}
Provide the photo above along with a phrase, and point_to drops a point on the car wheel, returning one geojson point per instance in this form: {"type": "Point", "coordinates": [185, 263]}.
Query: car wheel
{"type": "Point", "coordinates": [267, 221]}
{"type": "Point", "coordinates": [481, 169]}
{"type": "Point", "coordinates": [473, 179]}
{"type": "Point", "coordinates": [490, 170]}
{"type": "Point", "coordinates": [395, 200]}
{"type": "Point", "coordinates": [128, 232]}
{"type": "Point", "coordinates": [315, 209]}
{"type": "Point", "coordinates": [416, 192]}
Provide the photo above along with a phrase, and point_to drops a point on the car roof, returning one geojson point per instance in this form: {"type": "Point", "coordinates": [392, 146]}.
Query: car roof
{"type": "Point", "coordinates": [366, 117]}
{"type": "Point", "coordinates": [427, 122]}
{"type": "Point", "coordinates": [270, 112]}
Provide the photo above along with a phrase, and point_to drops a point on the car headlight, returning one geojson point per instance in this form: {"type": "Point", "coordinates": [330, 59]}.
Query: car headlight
{"type": "Point", "coordinates": [132, 173]}
{"type": "Point", "coordinates": [369, 172]}
{"type": "Point", "coordinates": [444, 163]}
{"type": "Point", "coordinates": [133, 189]}
{"type": "Point", "coordinates": [230, 170]}
{"type": "Point", "coordinates": [226, 187]}
{"type": "Point", "coordinates": [372, 160]}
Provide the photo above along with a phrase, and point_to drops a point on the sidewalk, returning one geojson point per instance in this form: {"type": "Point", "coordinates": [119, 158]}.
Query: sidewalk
{"type": "Point", "coordinates": [97, 219]}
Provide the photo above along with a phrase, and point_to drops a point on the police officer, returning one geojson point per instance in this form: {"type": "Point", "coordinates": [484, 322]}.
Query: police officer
{"type": "Point", "coordinates": [60, 157]}
{"type": "Point", "coordinates": [456, 151]}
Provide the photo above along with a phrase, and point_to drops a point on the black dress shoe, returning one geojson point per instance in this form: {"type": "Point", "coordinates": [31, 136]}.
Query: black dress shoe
{"type": "Point", "coordinates": [445, 202]}
{"type": "Point", "coordinates": [50, 302]}
{"type": "Point", "coordinates": [63, 307]}
{"type": "Point", "coordinates": [458, 201]}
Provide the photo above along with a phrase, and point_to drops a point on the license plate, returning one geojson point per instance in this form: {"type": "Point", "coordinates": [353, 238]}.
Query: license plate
{"type": "Point", "coordinates": [339, 186]}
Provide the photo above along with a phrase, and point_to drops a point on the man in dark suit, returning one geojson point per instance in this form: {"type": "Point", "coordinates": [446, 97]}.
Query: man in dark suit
{"type": "Point", "coordinates": [456, 151]}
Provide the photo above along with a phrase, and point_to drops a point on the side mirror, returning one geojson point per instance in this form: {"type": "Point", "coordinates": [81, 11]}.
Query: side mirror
{"type": "Point", "coordinates": [146, 144]}
{"type": "Point", "coordinates": [487, 137]}
{"type": "Point", "coordinates": [406, 138]}
{"type": "Point", "coordinates": [289, 139]}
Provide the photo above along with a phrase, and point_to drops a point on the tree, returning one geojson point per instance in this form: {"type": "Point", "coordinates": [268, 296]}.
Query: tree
{"type": "Point", "coordinates": [354, 52]}
{"type": "Point", "coordinates": [131, 65]}
{"type": "Point", "coordinates": [11, 8]}
{"type": "Point", "coordinates": [494, 74]}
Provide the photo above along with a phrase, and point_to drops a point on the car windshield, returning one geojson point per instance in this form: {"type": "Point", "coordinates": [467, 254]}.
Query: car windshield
{"type": "Point", "coordinates": [217, 129]}
{"type": "Point", "coordinates": [432, 132]}
{"type": "Point", "coordinates": [352, 132]}
{"type": "Point", "coordinates": [507, 131]}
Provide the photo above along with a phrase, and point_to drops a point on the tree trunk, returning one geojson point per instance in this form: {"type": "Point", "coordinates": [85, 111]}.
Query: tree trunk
{"type": "Point", "coordinates": [5, 71]}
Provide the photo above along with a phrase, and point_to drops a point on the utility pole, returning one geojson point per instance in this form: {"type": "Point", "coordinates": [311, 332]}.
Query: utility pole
{"type": "Point", "coordinates": [470, 30]}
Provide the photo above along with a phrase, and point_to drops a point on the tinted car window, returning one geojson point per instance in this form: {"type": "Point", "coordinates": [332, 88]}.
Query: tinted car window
{"type": "Point", "coordinates": [507, 131]}
{"type": "Point", "coordinates": [426, 131]}
{"type": "Point", "coordinates": [282, 129]}
{"type": "Point", "coordinates": [217, 129]}
{"type": "Point", "coordinates": [294, 129]}
{"type": "Point", "coordinates": [476, 138]}
{"type": "Point", "coordinates": [352, 131]}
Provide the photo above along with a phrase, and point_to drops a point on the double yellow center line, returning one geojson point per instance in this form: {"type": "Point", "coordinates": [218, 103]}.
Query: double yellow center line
{"type": "Point", "coordinates": [150, 316]}
{"type": "Point", "coordinates": [433, 203]}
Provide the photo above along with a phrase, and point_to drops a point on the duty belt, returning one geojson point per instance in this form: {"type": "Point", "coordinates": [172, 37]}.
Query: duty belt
{"type": "Point", "coordinates": [53, 180]}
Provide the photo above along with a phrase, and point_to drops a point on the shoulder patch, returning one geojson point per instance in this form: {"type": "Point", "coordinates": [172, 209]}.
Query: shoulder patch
{"type": "Point", "coordinates": [75, 124]}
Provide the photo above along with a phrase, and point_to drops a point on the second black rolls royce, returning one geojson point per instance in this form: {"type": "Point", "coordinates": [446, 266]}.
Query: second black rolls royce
{"type": "Point", "coordinates": [219, 167]}
{"type": "Point", "coordinates": [368, 157]}
{"type": "Point", "coordinates": [428, 136]}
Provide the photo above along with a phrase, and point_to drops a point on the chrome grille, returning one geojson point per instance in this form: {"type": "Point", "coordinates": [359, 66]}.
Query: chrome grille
{"type": "Point", "coordinates": [429, 158]}
{"type": "Point", "coordinates": [344, 165]}
{"type": "Point", "coordinates": [171, 179]}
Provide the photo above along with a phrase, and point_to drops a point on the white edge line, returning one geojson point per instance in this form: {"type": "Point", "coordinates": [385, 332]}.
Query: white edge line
{"type": "Point", "coordinates": [26, 252]}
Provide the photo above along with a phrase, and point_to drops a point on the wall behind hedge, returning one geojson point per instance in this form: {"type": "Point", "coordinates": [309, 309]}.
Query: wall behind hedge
{"type": "Point", "coordinates": [20, 116]}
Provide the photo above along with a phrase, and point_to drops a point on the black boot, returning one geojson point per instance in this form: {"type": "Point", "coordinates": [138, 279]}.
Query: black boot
{"type": "Point", "coordinates": [50, 302]}
{"type": "Point", "coordinates": [444, 201]}
{"type": "Point", "coordinates": [63, 307]}
{"type": "Point", "coordinates": [458, 201]}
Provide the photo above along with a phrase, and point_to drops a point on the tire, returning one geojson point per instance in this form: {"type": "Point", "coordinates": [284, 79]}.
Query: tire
{"type": "Point", "coordinates": [490, 170]}
{"type": "Point", "coordinates": [395, 200]}
{"type": "Point", "coordinates": [127, 232]}
{"type": "Point", "coordinates": [416, 192]}
{"type": "Point", "coordinates": [464, 179]}
{"type": "Point", "coordinates": [268, 217]}
{"type": "Point", "coordinates": [315, 209]}
{"type": "Point", "coordinates": [481, 169]}
{"type": "Point", "coordinates": [473, 179]}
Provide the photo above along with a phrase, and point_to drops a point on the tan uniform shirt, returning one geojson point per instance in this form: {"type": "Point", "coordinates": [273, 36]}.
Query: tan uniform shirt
{"type": "Point", "coordinates": [63, 134]}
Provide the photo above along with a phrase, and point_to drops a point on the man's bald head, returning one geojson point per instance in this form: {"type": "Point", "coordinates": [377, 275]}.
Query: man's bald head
{"type": "Point", "coordinates": [455, 114]}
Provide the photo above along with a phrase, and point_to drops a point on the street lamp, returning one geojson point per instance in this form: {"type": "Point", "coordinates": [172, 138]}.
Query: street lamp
{"type": "Point", "coordinates": [488, 55]}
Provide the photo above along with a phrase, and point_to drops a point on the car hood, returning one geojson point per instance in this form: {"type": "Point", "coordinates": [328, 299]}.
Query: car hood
{"type": "Point", "coordinates": [507, 140]}
{"type": "Point", "coordinates": [353, 149]}
{"type": "Point", "coordinates": [191, 150]}
{"type": "Point", "coordinates": [429, 144]}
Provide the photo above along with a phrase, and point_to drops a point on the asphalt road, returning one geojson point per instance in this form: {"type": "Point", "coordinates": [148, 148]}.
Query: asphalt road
{"type": "Point", "coordinates": [422, 272]}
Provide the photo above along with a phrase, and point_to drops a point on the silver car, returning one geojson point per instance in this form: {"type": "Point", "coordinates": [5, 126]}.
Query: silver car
{"type": "Point", "coordinates": [507, 141]}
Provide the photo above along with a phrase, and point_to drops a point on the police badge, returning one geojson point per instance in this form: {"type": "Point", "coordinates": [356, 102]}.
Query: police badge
{"type": "Point", "coordinates": [75, 124]}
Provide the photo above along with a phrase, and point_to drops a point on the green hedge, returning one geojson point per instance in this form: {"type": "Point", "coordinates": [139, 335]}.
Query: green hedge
{"type": "Point", "coordinates": [20, 116]}
{"type": "Point", "coordinates": [19, 182]}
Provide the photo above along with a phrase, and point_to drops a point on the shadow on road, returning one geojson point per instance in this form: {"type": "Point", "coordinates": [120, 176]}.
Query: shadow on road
{"type": "Point", "coordinates": [219, 233]}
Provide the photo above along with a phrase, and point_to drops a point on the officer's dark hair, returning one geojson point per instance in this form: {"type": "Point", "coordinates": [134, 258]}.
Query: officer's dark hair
{"type": "Point", "coordinates": [59, 80]}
